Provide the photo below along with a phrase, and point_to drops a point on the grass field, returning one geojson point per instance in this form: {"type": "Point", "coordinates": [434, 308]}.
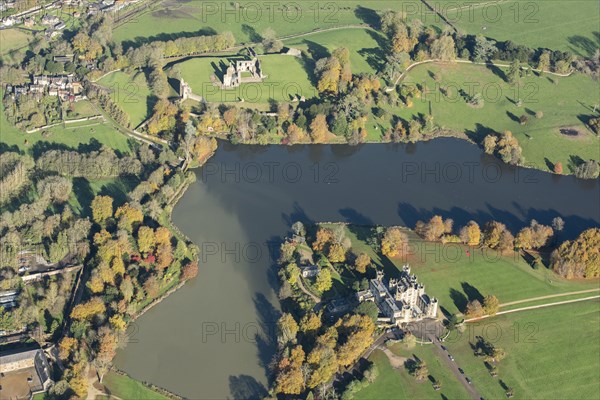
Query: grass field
{"type": "Point", "coordinates": [563, 104]}
{"type": "Point", "coordinates": [127, 388]}
{"type": "Point", "coordinates": [286, 77]}
{"type": "Point", "coordinates": [398, 384]}
{"type": "Point", "coordinates": [569, 26]}
{"type": "Point", "coordinates": [131, 93]}
{"type": "Point", "coordinates": [12, 39]}
{"type": "Point", "coordinates": [72, 135]}
{"type": "Point", "coordinates": [366, 54]}
{"type": "Point", "coordinates": [552, 353]}
{"type": "Point", "coordinates": [454, 277]}
{"type": "Point", "coordinates": [176, 19]}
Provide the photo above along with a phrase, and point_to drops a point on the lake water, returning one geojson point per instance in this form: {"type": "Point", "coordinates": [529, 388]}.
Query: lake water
{"type": "Point", "coordinates": [212, 339]}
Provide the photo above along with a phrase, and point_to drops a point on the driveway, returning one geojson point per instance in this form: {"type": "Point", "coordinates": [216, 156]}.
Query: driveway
{"type": "Point", "coordinates": [454, 367]}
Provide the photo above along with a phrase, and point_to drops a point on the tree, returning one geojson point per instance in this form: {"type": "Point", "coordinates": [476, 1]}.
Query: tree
{"type": "Point", "coordinates": [319, 129]}
{"type": "Point", "coordinates": [362, 262]}
{"type": "Point", "coordinates": [471, 234]}
{"type": "Point", "coordinates": [146, 239]}
{"type": "Point", "coordinates": [544, 62]}
{"type": "Point", "coordinates": [369, 309]}
{"type": "Point", "coordinates": [474, 309]}
{"type": "Point", "coordinates": [418, 369]}
{"type": "Point", "coordinates": [394, 242]}
{"type": "Point", "coordinates": [443, 49]}
{"type": "Point", "coordinates": [151, 287]}
{"type": "Point", "coordinates": [290, 379]}
{"type": "Point", "coordinates": [558, 224]}
{"type": "Point", "coordinates": [434, 229]}
{"type": "Point", "coordinates": [324, 281]}
{"type": "Point", "coordinates": [299, 229]}
{"type": "Point", "coordinates": [56, 188]}
{"type": "Point", "coordinates": [270, 41]}
{"type": "Point", "coordinates": [86, 311]}
{"type": "Point", "coordinates": [489, 144]}
{"type": "Point", "coordinates": [66, 347]}
{"type": "Point", "coordinates": [514, 72]}
{"type": "Point", "coordinates": [588, 170]}
{"type": "Point", "coordinates": [287, 328]}
{"type": "Point", "coordinates": [579, 258]}
{"type": "Point", "coordinates": [558, 168]}
{"type": "Point", "coordinates": [491, 305]}
{"type": "Point", "coordinates": [534, 236]}
{"type": "Point", "coordinates": [189, 271]}
{"type": "Point", "coordinates": [310, 323]}
{"type": "Point", "coordinates": [324, 236]}
{"type": "Point", "coordinates": [102, 208]}
{"type": "Point", "coordinates": [337, 253]}
{"type": "Point", "coordinates": [128, 215]}
{"type": "Point", "coordinates": [358, 330]}
{"type": "Point", "coordinates": [484, 49]}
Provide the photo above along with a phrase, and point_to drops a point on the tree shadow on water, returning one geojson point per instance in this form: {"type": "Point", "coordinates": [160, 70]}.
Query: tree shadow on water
{"type": "Point", "coordinates": [266, 335]}
{"type": "Point", "coordinates": [245, 387]}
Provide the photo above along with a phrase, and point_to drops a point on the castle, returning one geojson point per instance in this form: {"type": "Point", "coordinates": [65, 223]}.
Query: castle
{"type": "Point", "coordinates": [234, 76]}
{"type": "Point", "coordinates": [400, 300]}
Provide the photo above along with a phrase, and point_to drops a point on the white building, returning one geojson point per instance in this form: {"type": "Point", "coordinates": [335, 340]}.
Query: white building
{"type": "Point", "coordinates": [401, 300]}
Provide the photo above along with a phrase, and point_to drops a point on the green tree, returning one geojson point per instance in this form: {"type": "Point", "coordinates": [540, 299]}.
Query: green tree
{"type": "Point", "coordinates": [324, 280]}
{"type": "Point", "coordinates": [102, 208]}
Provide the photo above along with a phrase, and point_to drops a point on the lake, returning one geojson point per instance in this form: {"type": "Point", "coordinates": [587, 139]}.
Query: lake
{"type": "Point", "coordinates": [212, 339]}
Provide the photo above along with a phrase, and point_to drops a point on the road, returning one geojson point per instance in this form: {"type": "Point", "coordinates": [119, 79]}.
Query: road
{"type": "Point", "coordinates": [454, 367]}
{"type": "Point", "coordinates": [510, 303]}
{"type": "Point", "coordinates": [534, 307]}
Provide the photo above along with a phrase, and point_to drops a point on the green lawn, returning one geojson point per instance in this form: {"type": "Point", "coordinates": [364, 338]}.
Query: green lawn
{"type": "Point", "coordinates": [286, 77]}
{"type": "Point", "coordinates": [562, 103]}
{"type": "Point", "coordinates": [171, 20]}
{"type": "Point", "coordinates": [72, 135]}
{"type": "Point", "coordinates": [131, 93]}
{"type": "Point", "coordinates": [454, 277]}
{"type": "Point", "coordinates": [81, 109]}
{"type": "Point", "coordinates": [398, 384]}
{"type": "Point", "coordinates": [128, 388]}
{"type": "Point", "coordinates": [12, 39]}
{"type": "Point", "coordinates": [366, 54]}
{"type": "Point", "coordinates": [559, 25]}
{"type": "Point", "coordinates": [552, 353]}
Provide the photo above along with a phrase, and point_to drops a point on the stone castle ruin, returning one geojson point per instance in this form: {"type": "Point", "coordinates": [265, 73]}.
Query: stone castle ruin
{"type": "Point", "coordinates": [244, 71]}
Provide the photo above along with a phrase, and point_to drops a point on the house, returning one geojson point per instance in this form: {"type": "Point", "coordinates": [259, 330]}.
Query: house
{"type": "Point", "coordinates": [8, 21]}
{"type": "Point", "coordinates": [50, 20]}
{"type": "Point", "coordinates": [63, 59]}
{"type": "Point", "coordinates": [8, 299]}
{"type": "Point", "coordinates": [25, 371]}
{"type": "Point", "coordinates": [29, 22]}
{"type": "Point", "coordinates": [401, 300]}
{"type": "Point", "coordinates": [309, 271]}
{"type": "Point", "coordinates": [339, 306]}
{"type": "Point", "coordinates": [60, 26]}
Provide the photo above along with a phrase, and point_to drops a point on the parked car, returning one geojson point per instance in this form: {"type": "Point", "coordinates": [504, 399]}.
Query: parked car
{"type": "Point", "coordinates": [444, 348]}
{"type": "Point", "coordinates": [450, 357]}
{"type": "Point", "coordinates": [461, 371]}
{"type": "Point", "coordinates": [468, 380]}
